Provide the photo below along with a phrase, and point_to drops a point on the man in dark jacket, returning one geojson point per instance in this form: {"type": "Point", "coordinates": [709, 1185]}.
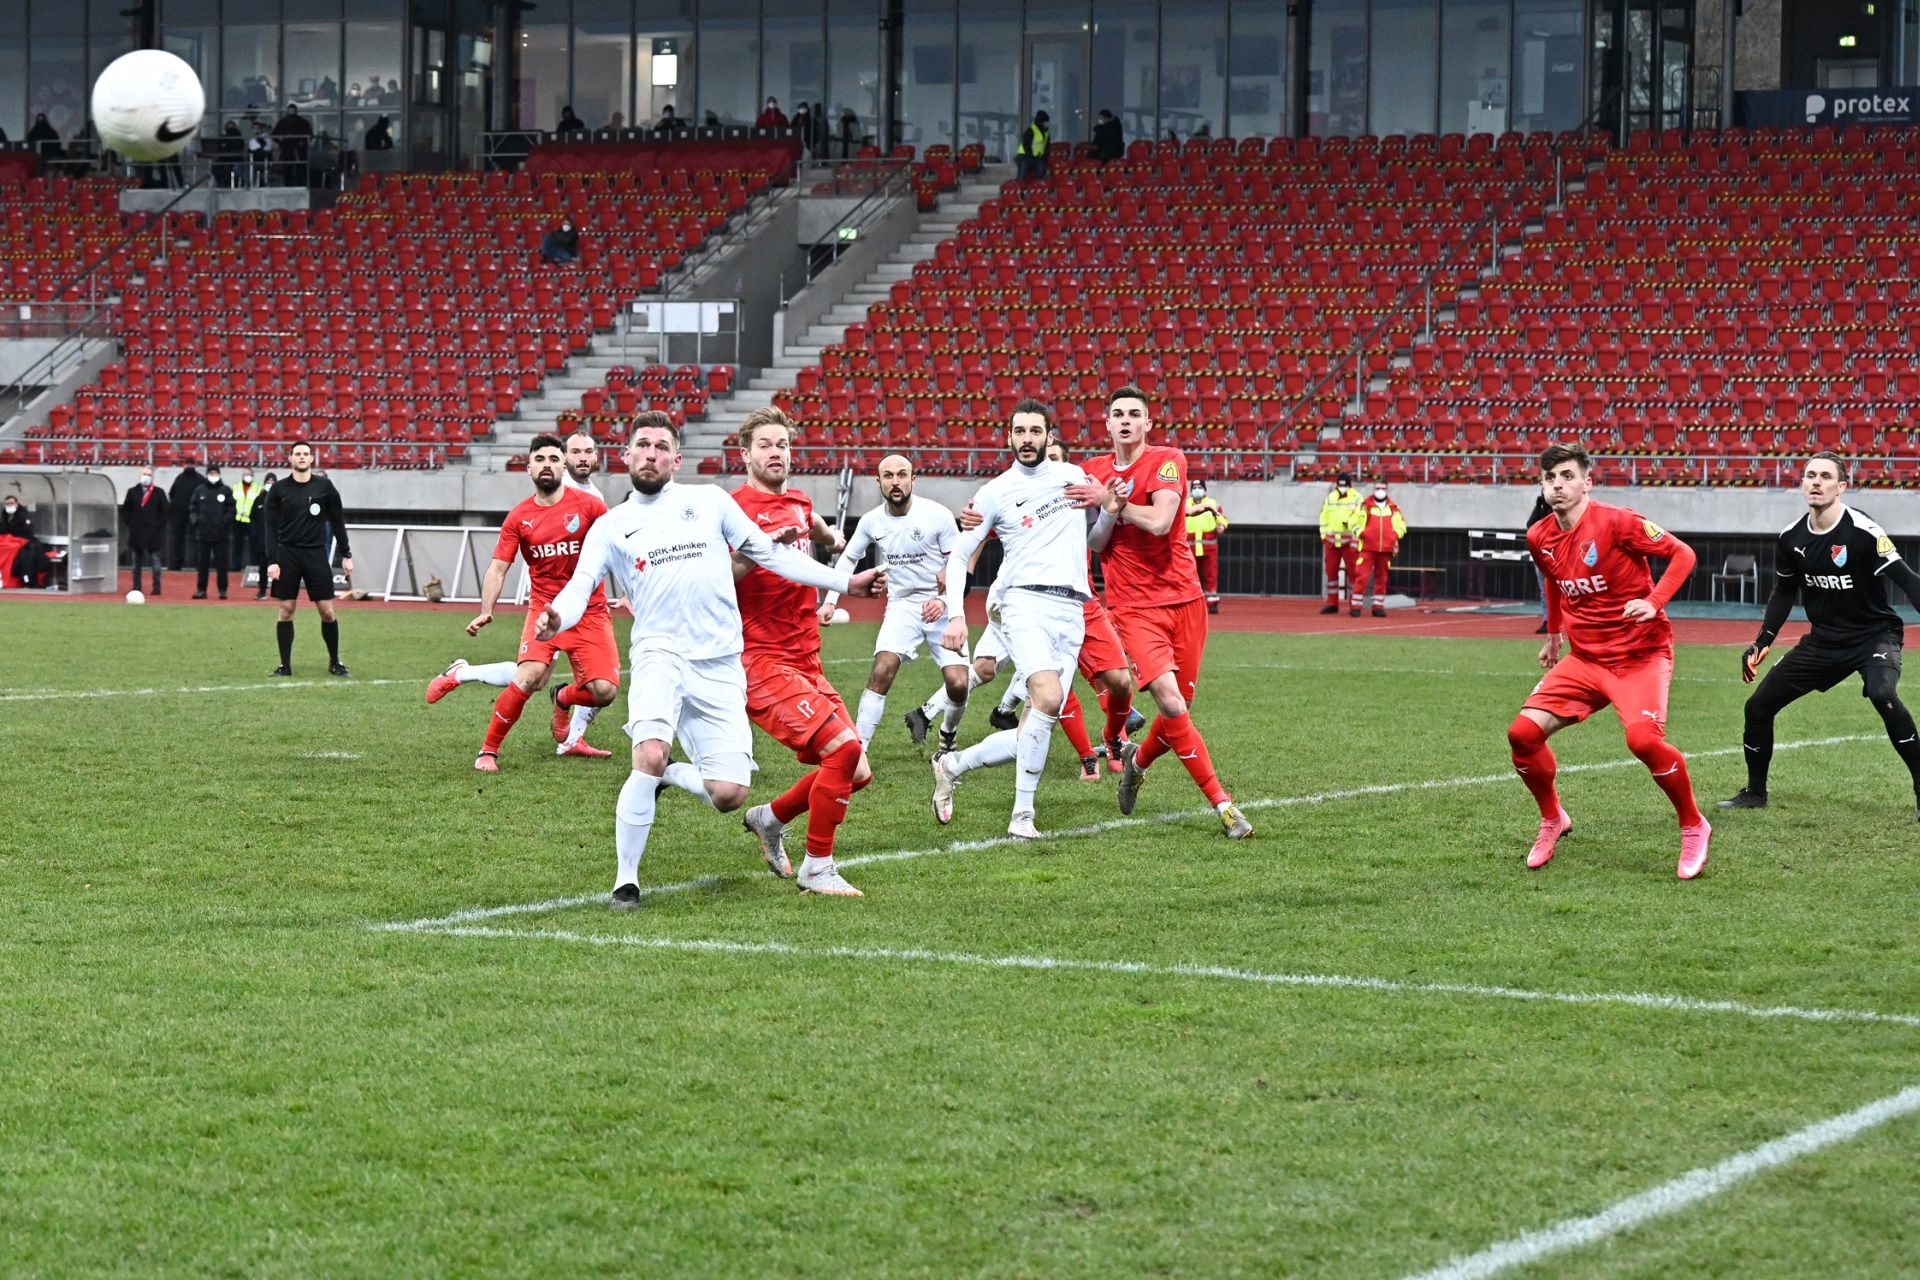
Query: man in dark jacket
{"type": "Point", "coordinates": [14, 520]}
{"type": "Point", "coordinates": [212, 520]}
{"type": "Point", "coordinates": [144, 514]}
{"type": "Point", "coordinates": [180, 509]}
{"type": "Point", "coordinates": [1107, 141]}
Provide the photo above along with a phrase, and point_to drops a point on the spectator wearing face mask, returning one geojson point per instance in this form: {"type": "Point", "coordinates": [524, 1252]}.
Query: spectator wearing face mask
{"type": "Point", "coordinates": [561, 246]}
{"type": "Point", "coordinates": [1205, 520]}
{"type": "Point", "coordinates": [1381, 528]}
{"type": "Point", "coordinates": [143, 512]}
{"type": "Point", "coordinates": [212, 520]}
{"type": "Point", "coordinates": [773, 117]}
{"type": "Point", "coordinates": [14, 520]}
{"type": "Point", "coordinates": [245, 494]}
{"type": "Point", "coordinates": [1339, 530]}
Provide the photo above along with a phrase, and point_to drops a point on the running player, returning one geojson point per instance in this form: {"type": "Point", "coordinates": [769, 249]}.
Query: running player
{"type": "Point", "coordinates": [788, 693]}
{"type": "Point", "coordinates": [1843, 562]}
{"type": "Point", "coordinates": [668, 545]}
{"type": "Point", "coordinates": [912, 536]}
{"type": "Point", "coordinates": [547, 531]}
{"type": "Point", "coordinates": [1153, 592]}
{"type": "Point", "coordinates": [1041, 589]}
{"type": "Point", "coordinates": [1603, 604]}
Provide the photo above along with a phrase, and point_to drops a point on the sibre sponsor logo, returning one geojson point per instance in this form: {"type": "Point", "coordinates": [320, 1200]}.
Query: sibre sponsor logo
{"type": "Point", "coordinates": [548, 550]}
{"type": "Point", "coordinates": [1831, 581]}
{"type": "Point", "coordinates": [1572, 588]}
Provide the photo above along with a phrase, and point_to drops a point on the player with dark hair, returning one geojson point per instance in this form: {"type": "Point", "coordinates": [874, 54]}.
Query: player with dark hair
{"type": "Point", "coordinates": [300, 511]}
{"type": "Point", "coordinates": [788, 693]}
{"type": "Point", "coordinates": [1838, 563]}
{"type": "Point", "coordinates": [1603, 604]}
{"type": "Point", "coordinates": [547, 531]}
{"type": "Point", "coordinates": [1154, 596]}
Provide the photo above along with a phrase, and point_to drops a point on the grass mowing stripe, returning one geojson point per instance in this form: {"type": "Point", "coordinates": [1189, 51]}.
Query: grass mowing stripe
{"type": "Point", "coordinates": [1331, 981]}
{"type": "Point", "coordinates": [1092, 829]}
{"type": "Point", "coordinates": [1671, 1197]}
{"type": "Point", "coordinates": [204, 688]}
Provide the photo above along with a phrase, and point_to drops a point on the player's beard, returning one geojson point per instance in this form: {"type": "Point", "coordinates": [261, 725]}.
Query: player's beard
{"type": "Point", "coordinates": [582, 473]}
{"type": "Point", "coordinates": [547, 482]}
{"type": "Point", "coordinates": [650, 487]}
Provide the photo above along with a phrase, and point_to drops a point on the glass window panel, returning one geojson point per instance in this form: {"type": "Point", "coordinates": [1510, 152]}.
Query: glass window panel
{"type": "Point", "coordinates": [13, 85]}
{"type": "Point", "coordinates": [540, 77]}
{"type": "Point", "coordinates": [1126, 66]}
{"type": "Point", "coordinates": [1546, 65]}
{"type": "Point", "coordinates": [927, 76]}
{"type": "Point", "coordinates": [374, 54]}
{"type": "Point", "coordinates": [58, 18]}
{"type": "Point", "coordinates": [310, 10]}
{"type": "Point", "coordinates": [188, 13]}
{"type": "Point", "coordinates": [603, 62]}
{"type": "Point", "coordinates": [1474, 40]}
{"type": "Point", "coordinates": [1193, 71]}
{"type": "Point", "coordinates": [199, 48]}
{"type": "Point", "coordinates": [989, 75]}
{"type": "Point", "coordinates": [1337, 69]}
{"type": "Point", "coordinates": [250, 68]}
{"type": "Point", "coordinates": [109, 34]}
{"type": "Point", "coordinates": [1404, 78]}
{"type": "Point", "coordinates": [1257, 70]}
{"type": "Point", "coordinates": [1052, 15]}
{"type": "Point", "coordinates": [728, 50]}
{"type": "Point", "coordinates": [57, 82]}
{"type": "Point", "coordinates": [853, 65]}
{"type": "Point", "coordinates": [313, 69]}
{"type": "Point", "coordinates": [375, 10]}
{"type": "Point", "coordinates": [795, 68]}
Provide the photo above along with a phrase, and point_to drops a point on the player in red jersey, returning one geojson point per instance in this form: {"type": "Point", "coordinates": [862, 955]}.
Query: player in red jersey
{"type": "Point", "coordinates": [788, 693]}
{"type": "Point", "coordinates": [1603, 604]}
{"type": "Point", "coordinates": [545, 530]}
{"type": "Point", "coordinates": [1154, 595]}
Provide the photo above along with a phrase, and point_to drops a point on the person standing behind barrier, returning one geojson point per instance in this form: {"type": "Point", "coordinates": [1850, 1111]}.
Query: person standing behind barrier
{"type": "Point", "coordinates": [211, 518]}
{"type": "Point", "coordinates": [1339, 533]}
{"type": "Point", "coordinates": [1205, 520]}
{"type": "Point", "coordinates": [180, 510]}
{"type": "Point", "coordinates": [144, 513]}
{"type": "Point", "coordinates": [1381, 528]}
{"type": "Point", "coordinates": [245, 494]}
{"type": "Point", "coordinates": [1031, 159]}
{"type": "Point", "coordinates": [258, 548]}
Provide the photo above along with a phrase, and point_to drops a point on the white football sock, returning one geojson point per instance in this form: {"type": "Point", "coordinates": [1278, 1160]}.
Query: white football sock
{"type": "Point", "coordinates": [1011, 698]}
{"type": "Point", "coordinates": [995, 748]}
{"type": "Point", "coordinates": [496, 674]}
{"type": "Point", "coordinates": [1035, 735]}
{"type": "Point", "coordinates": [684, 776]}
{"type": "Point", "coordinates": [872, 707]}
{"type": "Point", "coordinates": [633, 820]}
{"type": "Point", "coordinates": [578, 722]}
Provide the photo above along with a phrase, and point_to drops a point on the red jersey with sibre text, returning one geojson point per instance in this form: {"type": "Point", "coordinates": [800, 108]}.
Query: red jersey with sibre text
{"type": "Point", "coordinates": [548, 539]}
{"type": "Point", "coordinates": [1597, 567]}
{"type": "Point", "coordinates": [777, 616]}
{"type": "Point", "coordinates": [1142, 570]}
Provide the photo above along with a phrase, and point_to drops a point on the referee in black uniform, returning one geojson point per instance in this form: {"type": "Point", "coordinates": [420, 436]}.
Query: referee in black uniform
{"type": "Point", "coordinates": [1839, 563]}
{"type": "Point", "coordinates": [298, 512]}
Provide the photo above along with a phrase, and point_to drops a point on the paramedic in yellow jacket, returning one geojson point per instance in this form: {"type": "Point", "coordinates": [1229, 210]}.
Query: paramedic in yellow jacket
{"type": "Point", "coordinates": [1340, 534]}
{"type": "Point", "coordinates": [1205, 520]}
{"type": "Point", "coordinates": [1381, 528]}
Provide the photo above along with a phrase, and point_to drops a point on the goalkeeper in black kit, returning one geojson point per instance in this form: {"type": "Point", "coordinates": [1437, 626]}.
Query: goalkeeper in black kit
{"type": "Point", "coordinates": [299, 512]}
{"type": "Point", "coordinates": [1839, 564]}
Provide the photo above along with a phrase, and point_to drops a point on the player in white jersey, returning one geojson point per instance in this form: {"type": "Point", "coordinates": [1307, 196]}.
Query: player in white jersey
{"type": "Point", "coordinates": [669, 547]}
{"type": "Point", "coordinates": [912, 536]}
{"type": "Point", "coordinates": [1042, 589]}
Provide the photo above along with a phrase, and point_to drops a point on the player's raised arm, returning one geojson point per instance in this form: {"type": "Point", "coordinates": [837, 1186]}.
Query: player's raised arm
{"type": "Point", "coordinates": [849, 557]}
{"type": "Point", "coordinates": [596, 554]}
{"type": "Point", "coordinates": [490, 588]}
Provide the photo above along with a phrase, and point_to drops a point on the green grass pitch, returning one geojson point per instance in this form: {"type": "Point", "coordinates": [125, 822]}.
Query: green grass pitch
{"type": "Point", "coordinates": [215, 1062]}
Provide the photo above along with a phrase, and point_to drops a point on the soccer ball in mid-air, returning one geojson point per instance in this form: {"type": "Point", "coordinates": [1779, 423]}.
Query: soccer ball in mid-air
{"type": "Point", "coordinates": [135, 597]}
{"type": "Point", "coordinates": [147, 105]}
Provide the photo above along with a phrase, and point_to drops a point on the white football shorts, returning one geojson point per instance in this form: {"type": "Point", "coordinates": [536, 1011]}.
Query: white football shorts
{"type": "Point", "coordinates": [701, 702]}
{"type": "Point", "coordinates": [903, 632]}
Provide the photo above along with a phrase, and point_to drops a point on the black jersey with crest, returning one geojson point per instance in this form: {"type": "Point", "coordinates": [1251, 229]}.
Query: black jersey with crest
{"type": "Point", "coordinates": [1837, 576]}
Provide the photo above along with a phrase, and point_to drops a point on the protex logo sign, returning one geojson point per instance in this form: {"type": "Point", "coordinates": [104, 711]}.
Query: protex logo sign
{"type": "Point", "coordinates": [1867, 108]}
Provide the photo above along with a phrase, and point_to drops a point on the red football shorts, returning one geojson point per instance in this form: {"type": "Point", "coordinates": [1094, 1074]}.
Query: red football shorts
{"type": "Point", "coordinates": [792, 701]}
{"type": "Point", "coordinates": [1576, 688]}
{"type": "Point", "coordinates": [588, 644]}
{"type": "Point", "coordinates": [1101, 650]}
{"type": "Point", "coordinates": [1162, 638]}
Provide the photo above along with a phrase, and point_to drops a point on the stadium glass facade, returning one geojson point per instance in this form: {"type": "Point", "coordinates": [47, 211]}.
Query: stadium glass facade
{"type": "Point", "coordinates": [914, 71]}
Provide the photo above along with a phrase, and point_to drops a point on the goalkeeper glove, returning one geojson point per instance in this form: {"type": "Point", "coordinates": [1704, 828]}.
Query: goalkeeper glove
{"type": "Point", "coordinates": [1750, 660]}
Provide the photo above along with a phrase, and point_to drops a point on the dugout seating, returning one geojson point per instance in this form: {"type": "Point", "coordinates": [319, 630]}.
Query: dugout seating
{"type": "Point", "coordinates": [1225, 276]}
{"type": "Point", "coordinates": [393, 329]}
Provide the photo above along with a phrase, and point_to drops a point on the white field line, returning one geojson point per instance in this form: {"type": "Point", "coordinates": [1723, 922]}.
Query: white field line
{"type": "Point", "coordinates": [328, 755]}
{"type": "Point", "coordinates": [432, 923]}
{"type": "Point", "coordinates": [1671, 1197]}
{"type": "Point", "coordinates": [1323, 981]}
{"type": "Point", "coordinates": [70, 694]}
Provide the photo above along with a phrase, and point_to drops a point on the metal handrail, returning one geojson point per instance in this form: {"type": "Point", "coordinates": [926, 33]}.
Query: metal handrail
{"type": "Point", "coordinates": [826, 250]}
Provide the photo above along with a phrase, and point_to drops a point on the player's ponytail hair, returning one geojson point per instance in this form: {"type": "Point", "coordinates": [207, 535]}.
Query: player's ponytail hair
{"type": "Point", "coordinates": [655, 418]}
{"type": "Point", "coordinates": [1564, 451]}
{"type": "Point", "coordinates": [1839, 463]}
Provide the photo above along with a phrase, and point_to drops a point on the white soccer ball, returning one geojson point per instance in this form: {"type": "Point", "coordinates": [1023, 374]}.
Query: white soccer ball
{"type": "Point", "coordinates": [147, 105]}
{"type": "Point", "coordinates": [135, 597]}
{"type": "Point", "coordinates": [841, 617]}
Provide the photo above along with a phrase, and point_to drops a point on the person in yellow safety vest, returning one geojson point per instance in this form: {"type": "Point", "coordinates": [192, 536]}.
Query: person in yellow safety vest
{"type": "Point", "coordinates": [245, 494]}
{"type": "Point", "coordinates": [1030, 161]}
{"type": "Point", "coordinates": [1205, 520]}
{"type": "Point", "coordinates": [1381, 528]}
{"type": "Point", "coordinates": [1340, 534]}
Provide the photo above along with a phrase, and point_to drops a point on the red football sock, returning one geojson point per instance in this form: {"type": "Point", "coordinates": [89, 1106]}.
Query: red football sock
{"type": "Point", "coordinates": [1116, 715]}
{"type": "Point", "coordinates": [573, 695]}
{"type": "Point", "coordinates": [1649, 744]}
{"type": "Point", "coordinates": [1153, 744]}
{"type": "Point", "coordinates": [1191, 750]}
{"type": "Point", "coordinates": [832, 785]}
{"type": "Point", "coordinates": [793, 802]}
{"type": "Point", "coordinates": [1533, 761]}
{"type": "Point", "coordinates": [506, 711]}
{"type": "Point", "coordinates": [1074, 725]}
